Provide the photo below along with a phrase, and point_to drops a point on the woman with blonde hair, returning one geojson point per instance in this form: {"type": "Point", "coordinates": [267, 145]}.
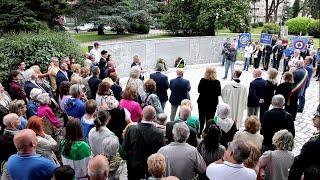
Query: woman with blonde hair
{"type": "Point", "coordinates": [251, 133]}
{"type": "Point", "coordinates": [209, 90]}
{"type": "Point", "coordinates": [156, 166]}
{"type": "Point", "coordinates": [135, 73]}
{"type": "Point", "coordinates": [272, 83]}
{"type": "Point", "coordinates": [276, 163]}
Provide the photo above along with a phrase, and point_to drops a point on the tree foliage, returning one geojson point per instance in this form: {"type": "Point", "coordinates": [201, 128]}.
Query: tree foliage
{"type": "Point", "coordinates": [295, 8]}
{"type": "Point", "coordinates": [298, 25]}
{"type": "Point", "coordinates": [122, 15]}
{"type": "Point", "coordinates": [35, 49]}
{"type": "Point", "coordinates": [30, 15]}
{"type": "Point", "coordinates": [201, 17]}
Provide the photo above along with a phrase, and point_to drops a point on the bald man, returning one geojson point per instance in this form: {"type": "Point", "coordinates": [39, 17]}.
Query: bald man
{"type": "Point", "coordinates": [98, 168]}
{"type": "Point", "coordinates": [256, 94]}
{"type": "Point", "coordinates": [140, 142]}
{"type": "Point", "coordinates": [184, 114]}
{"type": "Point", "coordinates": [179, 91]}
{"type": "Point", "coordinates": [26, 164]}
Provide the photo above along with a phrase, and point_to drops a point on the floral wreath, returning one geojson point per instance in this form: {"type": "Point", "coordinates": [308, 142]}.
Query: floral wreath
{"type": "Point", "coordinates": [180, 63]}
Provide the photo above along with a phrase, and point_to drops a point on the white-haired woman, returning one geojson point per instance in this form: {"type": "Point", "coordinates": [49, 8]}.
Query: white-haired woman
{"type": "Point", "coordinates": [226, 124]}
{"type": "Point", "coordinates": [276, 163]}
{"type": "Point", "coordinates": [44, 110]}
{"type": "Point", "coordinates": [33, 103]}
{"type": "Point", "coordinates": [117, 166]}
{"type": "Point", "coordinates": [134, 79]}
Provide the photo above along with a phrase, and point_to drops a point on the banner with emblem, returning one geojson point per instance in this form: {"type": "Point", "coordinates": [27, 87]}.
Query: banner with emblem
{"type": "Point", "coordinates": [244, 38]}
{"type": "Point", "coordinates": [266, 38]}
{"type": "Point", "coordinates": [300, 42]}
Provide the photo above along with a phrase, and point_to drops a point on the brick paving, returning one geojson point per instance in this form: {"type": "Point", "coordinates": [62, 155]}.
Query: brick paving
{"type": "Point", "coordinates": [303, 124]}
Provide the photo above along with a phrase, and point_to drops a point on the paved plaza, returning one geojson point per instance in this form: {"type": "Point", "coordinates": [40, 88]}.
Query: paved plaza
{"type": "Point", "coordinates": [303, 124]}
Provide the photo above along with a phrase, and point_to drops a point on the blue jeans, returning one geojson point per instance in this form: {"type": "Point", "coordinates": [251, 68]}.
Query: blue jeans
{"type": "Point", "coordinates": [223, 59]}
{"type": "Point", "coordinates": [246, 64]}
{"type": "Point", "coordinates": [227, 66]}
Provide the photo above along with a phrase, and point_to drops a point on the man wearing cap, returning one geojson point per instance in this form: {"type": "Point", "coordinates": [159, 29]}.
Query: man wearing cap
{"type": "Point", "coordinates": [310, 152]}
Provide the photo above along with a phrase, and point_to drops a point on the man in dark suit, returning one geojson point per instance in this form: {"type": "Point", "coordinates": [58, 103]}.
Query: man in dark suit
{"type": "Point", "coordinates": [184, 114]}
{"type": "Point", "coordinates": [94, 81]}
{"type": "Point", "coordinates": [140, 142]}
{"type": "Point", "coordinates": [162, 84]}
{"type": "Point", "coordinates": [179, 91]}
{"type": "Point", "coordinates": [62, 75]}
{"type": "Point", "coordinates": [275, 120]}
{"type": "Point", "coordinates": [256, 93]}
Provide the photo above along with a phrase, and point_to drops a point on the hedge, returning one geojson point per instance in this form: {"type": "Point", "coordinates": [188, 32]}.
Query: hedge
{"type": "Point", "coordinates": [298, 24]}
{"type": "Point", "coordinates": [35, 49]}
{"type": "Point", "coordinates": [314, 28]}
{"type": "Point", "coordinates": [271, 28]}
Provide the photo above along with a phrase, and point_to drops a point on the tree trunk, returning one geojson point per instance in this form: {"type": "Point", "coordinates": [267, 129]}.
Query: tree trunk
{"type": "Point", "coordinates": [267, 11]}
{"type": "Point", "coordinates": [100, 29]}
{"type": "Point", "coordinates": [275, 17]}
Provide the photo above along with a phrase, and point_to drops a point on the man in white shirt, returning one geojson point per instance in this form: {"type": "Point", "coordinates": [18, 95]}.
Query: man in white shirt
{"type": "Point", "coordinates": [248, 50]}
{"type": "Point", "coordinates": [96, 52]}
{"type": "Point", "coordinates": [232, 167]}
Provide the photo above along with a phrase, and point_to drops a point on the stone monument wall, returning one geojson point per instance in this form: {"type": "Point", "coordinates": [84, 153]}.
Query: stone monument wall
{"type": "Point", "coordinates": [195, 50]}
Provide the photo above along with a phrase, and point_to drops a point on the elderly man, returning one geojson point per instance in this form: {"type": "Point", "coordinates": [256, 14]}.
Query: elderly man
{"type": "Point", "coordinates": [140, 142]}
{"type": "Point", "coordinates": [184, 114]}
{"type": "Point", "coordinates": [74, 106]}
{"type": "Point", "coordinates": [62, 75]}
{"type": "Point", "coordinates": [232, 167]}
{"type": "Point", "coordinates": [52, 71]}
{"type": "Point", "coordinates": [234, 94]}
{"type": "Point", "coordinates": [182, 160]}
{"type": "Point", "coordinates": [179, 91]}
{"type": "Point", "coordinates": [11, 122]}
{"type": "Point", "coordinates": [162, 84]}
{"type": "Point", "coordinates": [98, 168]}
{"type": "Point", "coordinates": [31, 82]}
{"type": "Point", "coordinates": [275, 120]}
{"type": "Point", "coordinates": [256, 93]}
{"type": "Point", "coordinates": [300, 77]}
{"type": "Point", "coordinates": [26, 164]}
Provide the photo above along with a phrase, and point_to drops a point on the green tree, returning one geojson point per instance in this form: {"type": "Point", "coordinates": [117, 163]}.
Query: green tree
{"type": "Point", "coordinates": [30, 15]}
{"type": "Point", "coordinates": [189, 17]}
{"type": "Point", "coordinates": [131, 15]}
{"type": "Point", "coordinates": [295, 8]}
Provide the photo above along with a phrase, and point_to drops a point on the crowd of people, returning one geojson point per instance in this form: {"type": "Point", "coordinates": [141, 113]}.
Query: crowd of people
{"type": "Point", "coordinates": [76, 121]}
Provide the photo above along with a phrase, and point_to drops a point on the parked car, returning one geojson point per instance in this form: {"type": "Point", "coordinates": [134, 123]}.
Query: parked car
{"type": "Point", "coordinates": [84, 27]}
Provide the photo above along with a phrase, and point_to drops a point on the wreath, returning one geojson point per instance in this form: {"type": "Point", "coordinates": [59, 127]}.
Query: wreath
{"type": "Point", "coordinates": [180, 63]}
{"type": "Point", "coordinates": [164, 65]}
